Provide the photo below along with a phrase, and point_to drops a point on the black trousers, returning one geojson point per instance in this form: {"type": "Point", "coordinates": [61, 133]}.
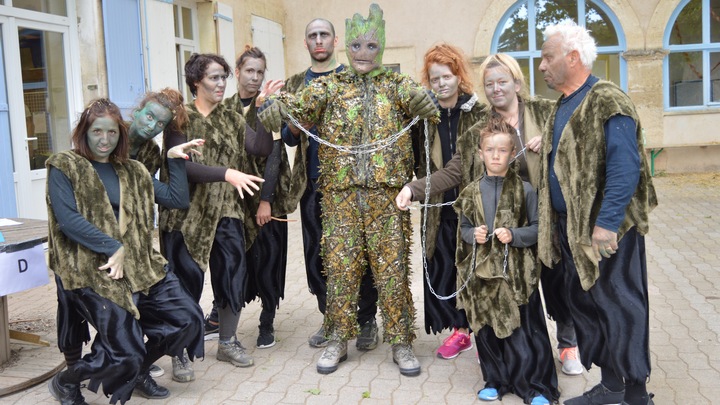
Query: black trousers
{"type": "Point", "coordinates": [442, 314]}
{"type": "Point", "coordinates": [612, 318]}
{"type": "Point", "coordinates": [266, 267]}
{"type": "Point", "coordinates": [169, 318]}
{"type": "Point", "coordinates": [311, 216]}
{"type": "Point", "coordinates": [228, 266]}
{"type": "Point", "coordinates": [523, 362]}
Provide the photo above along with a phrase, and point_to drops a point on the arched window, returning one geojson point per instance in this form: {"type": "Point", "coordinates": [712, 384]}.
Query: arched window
{"type": "Point", "coordinates": [692, 68]}
{"type": "Point", "coordinates": [519, 34]}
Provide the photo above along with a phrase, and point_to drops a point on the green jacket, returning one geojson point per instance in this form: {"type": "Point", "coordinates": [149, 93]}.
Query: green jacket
{"type": "Point", "coordinates": [351, 110]}
{"type": "Point", "coordinates": [580, 169]}
{"type": "Point", "coordinates": [76, 265]}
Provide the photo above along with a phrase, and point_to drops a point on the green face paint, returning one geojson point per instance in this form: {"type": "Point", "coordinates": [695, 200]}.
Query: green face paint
{"type": "Point", "coordinates": [365, 40]}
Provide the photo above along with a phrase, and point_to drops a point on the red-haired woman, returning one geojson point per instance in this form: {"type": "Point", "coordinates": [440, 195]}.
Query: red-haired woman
{"type": "Point", "coordinates": [447, 74]}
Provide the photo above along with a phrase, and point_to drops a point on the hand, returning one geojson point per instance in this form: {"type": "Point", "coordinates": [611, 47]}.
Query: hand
{"type": "Point", "coordinates": [422, 105]}
{"type": "Point", "coordinates": [272, 113]}
{"type": "Point", "coordinates": [269, 88]}
{"type": "Point", "coordinates": [404, 198]}
{"type": "Point", "coordinates": [242, 181]}
{"type": "Point", "coordinates": [504, 235]}
{"type": "Point", "coordinates": [604, 243]}
{"type": "Point", "coordinates": [264, 213]}
{"type": "Point", "coordinates": [534, 144]}
{"type": "Point", "coordinates": [296, 131]}
{"type": "Point", "coordinates": [114, 265]}
{"type": "Point", "coordinates": [480, 234]}
{"type": "Point", "coordinates": [179, 150]}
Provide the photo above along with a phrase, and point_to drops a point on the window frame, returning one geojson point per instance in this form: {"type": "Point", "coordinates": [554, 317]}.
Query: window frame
{"type": "Point", "coordinates": [532, 54]}
{"type": "Point", "coordinates": [705, 48]}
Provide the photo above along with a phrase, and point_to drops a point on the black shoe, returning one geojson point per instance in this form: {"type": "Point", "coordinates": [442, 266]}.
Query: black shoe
{"type": "Point", "coordinates": [67, 394]}
{"type": "Point", "coordinates": [598, 395]}
{"type": "Point", "coordinates": [148, 388]}
{"type": "Point", "coordinates": [649, 396]}
{"type": "Point", "coordinates": [368, 338]}
{"type": "Point", "coordinates": [212, 328]}
{"type": "Point", "coordinates": [266, 338]}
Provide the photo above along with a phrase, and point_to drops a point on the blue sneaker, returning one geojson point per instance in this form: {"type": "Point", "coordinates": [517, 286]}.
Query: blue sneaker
{"type": "Point", "coordinates": [488, 394]}
{"type": "Point", "coordinates": [540, 400]}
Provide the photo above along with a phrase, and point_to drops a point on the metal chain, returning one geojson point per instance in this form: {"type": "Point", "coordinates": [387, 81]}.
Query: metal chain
{"type": "Point", "coordinates": [358, 149]}
{"type": "Point", "coordinates": [424, 230]}
{"type": "Point", "coordinates": [427, 181]}
{"type": "Point", "coordinates": [423, 239]}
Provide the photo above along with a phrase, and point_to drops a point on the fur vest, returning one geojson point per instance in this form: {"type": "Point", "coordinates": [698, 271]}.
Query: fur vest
{"type": "Point", "coordinates": [492, 298]}
{"type": "Point", "coordinates": [224, 134]}
{"type": "Point", "coordinates": [76, 265]}
{"type": "Point", "coordinates": [287, 194]}
{"type": "Point", "coordinates": [580, 169]}
{"type": "Point", "coordinates": [149, 156]}
{"type": "Point", "coordinates": [470, 113]}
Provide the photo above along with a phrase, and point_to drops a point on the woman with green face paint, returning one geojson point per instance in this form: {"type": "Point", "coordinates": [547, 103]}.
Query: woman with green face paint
{"type": "Point", "coordinates": [101, 220]}
{"type": "Point", "coordinates": [155, 112]}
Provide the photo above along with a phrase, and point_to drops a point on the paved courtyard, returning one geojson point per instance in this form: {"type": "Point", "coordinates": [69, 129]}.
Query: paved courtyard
{"type": "Point", "coordinates": [684, 282]}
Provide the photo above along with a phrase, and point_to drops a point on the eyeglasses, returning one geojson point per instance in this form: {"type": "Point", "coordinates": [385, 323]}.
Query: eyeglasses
{"type": "Point", "coordinates": [217, 78]}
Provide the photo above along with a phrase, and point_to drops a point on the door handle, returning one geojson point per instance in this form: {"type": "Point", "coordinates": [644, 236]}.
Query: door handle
{"type": "Point", "coordinates": [34, 138]}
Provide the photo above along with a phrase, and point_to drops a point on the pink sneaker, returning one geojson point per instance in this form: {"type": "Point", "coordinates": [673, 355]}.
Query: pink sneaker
{"type": "Point", "coordinates": [454, 344]}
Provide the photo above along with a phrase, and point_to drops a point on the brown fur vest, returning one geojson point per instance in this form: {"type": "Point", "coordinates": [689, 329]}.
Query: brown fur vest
{"type": "Point", "coordinates": [580, 169]}
{"type": "Point", "coordinates": [76, 265]}
{"type": "Point", "coordinates": [491, 298]}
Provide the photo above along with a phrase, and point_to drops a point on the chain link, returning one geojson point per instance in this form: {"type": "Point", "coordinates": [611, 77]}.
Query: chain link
{"type": "Point", "coordinates": [358, 149]}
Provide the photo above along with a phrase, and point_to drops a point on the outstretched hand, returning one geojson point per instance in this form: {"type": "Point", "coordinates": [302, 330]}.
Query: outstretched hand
{"type": "Point", "coordinates": [270, 87]}
{"type": "Point", "coordinates": [423, 104]}
{"type": "Point", "coordinates": [178, 151]}
{"type": "Point", "coordinates": [272, 113]}
{"type": "Point", "coordinates": [242, 181]}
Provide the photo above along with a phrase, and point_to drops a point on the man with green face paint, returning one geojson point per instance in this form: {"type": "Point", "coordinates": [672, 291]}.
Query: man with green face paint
{"type": "Point", "coordinates": [364, 104]}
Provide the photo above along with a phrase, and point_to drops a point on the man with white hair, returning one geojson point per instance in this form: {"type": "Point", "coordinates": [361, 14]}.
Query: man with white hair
{"type": "Point", "coordinates": [595, 196]}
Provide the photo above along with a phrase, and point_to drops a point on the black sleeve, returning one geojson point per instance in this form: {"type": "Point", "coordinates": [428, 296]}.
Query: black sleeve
{"type": "Point", "coordinates": [258, 142]}
{"type": "Point", "coordinates": [272, 170]}
{"type": "Point", "coordinates": [71, 222]}
{"type": "Point", "coordinates": [176, 193]}
{"type": "Point", "coordinates": [196, 172]}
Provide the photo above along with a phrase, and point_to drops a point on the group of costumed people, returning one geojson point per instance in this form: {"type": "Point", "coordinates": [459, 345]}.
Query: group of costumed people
{"type": "Point", "coordinates": [363, 132]}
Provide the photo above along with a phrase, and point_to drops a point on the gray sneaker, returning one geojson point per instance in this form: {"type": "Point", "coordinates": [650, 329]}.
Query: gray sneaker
{"type": "Point", "coordinates": [334, 354]}
{"type": "Point", "coordinates": [182, 369]}
{"type": "Point", "coordinates": [404, 357]}
{"type": "Point", "coordinates": [318, 338]}
{"type": "Point", "coordinates": [368, 338]}
{"type": "Point", "coordinates": [570, 360]}
{"type": "Point", "coordinates": [234, 353]}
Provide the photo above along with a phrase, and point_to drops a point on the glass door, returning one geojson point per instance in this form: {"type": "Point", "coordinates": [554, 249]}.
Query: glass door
{"type": "Point", "coordinates": [37, 53]}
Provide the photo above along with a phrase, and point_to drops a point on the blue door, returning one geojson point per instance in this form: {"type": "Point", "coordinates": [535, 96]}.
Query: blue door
{"type": "Point", "coordinates": [124, 52]}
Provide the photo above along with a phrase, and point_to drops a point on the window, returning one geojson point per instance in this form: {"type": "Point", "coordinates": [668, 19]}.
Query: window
{"type": "Point", "coordinates": [692, 68]}
{"type": "Point", "coordinates": [519, 34]}
{"type": "Point", "coordinates": [186, 40]}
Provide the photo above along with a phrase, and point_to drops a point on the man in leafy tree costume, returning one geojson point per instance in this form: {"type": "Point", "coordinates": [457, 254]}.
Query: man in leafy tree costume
{"type": "Point", "coordinates": [364, 104]}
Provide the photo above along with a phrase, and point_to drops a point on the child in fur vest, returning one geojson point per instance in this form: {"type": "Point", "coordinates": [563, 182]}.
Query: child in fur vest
{"type": "Point", "coordinates": [496, 258]}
